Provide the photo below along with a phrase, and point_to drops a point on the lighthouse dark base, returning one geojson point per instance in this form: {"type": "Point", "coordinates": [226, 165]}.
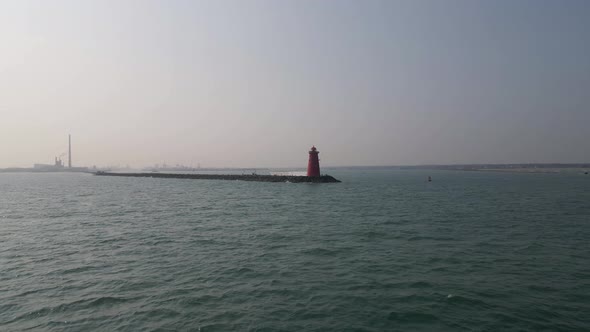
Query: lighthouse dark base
{"type": "Point", "coordinates": [313, 165]}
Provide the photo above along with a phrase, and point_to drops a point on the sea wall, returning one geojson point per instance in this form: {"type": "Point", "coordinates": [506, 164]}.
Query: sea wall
{"type": "Point", "coordinates": [235, 177]}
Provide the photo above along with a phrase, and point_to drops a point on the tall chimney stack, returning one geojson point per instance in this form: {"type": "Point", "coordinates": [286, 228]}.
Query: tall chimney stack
{"type": "Point", "coordinates": [69, 151]}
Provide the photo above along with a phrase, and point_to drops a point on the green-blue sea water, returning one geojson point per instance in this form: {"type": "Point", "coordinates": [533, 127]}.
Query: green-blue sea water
{"type": "Point", "coordinates": [384, 250]}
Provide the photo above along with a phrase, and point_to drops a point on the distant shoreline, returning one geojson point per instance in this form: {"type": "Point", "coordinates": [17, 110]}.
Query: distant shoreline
{"type": "Point", "coordinates": [511, 168]}
{"type": "Point", "coordinates": [535, 170]}
{"type": "Point", "coordinates": [515, 168]}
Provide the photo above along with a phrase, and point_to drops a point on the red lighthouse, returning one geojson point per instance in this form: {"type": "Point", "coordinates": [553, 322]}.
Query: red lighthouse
{"type": "Point", "coordinates": [313, 166]}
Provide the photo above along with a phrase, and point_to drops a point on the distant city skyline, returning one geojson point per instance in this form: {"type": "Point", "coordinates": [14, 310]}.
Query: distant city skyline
{"type": "Point", "coordinates": [257, 83]}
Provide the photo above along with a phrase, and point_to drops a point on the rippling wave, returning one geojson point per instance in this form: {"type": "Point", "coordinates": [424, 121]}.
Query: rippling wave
{"type": "Point", "coordinates": [384, 250]}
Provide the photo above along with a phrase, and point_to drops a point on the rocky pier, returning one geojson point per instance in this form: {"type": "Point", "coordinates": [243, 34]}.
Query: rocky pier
{"type": "Point", "coordinates": [235, 177]}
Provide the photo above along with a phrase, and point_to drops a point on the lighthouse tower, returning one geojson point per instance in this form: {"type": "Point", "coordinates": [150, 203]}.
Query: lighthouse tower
{"type": "Point", "coordinates": [313, 166]}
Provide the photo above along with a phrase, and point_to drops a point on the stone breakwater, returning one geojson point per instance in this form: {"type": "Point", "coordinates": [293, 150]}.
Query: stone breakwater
{"type": "Point", "coordinates": [250, 177]}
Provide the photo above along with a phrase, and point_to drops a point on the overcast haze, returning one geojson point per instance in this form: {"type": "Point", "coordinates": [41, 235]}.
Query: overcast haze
{"type": "Point", "coordinates": [256, 83]}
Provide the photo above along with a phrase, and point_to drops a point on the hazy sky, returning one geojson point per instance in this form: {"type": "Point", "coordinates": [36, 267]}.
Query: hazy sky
{"type": "Point", "coordinates": [256, 83]}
